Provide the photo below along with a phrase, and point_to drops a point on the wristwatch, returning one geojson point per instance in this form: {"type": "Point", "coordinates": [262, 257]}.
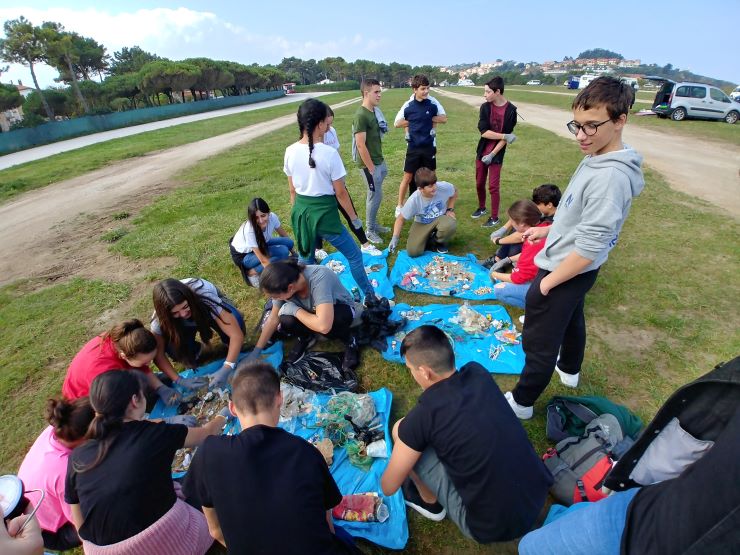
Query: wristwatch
{"type": "Point", "coordinates": [450, 209]}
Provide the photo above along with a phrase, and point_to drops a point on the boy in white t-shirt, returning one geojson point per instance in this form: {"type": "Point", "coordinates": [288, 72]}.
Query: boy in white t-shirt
{"type": "Point", "coordinates": [432, 206]}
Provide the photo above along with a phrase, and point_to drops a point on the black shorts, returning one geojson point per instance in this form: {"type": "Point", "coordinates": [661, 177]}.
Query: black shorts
{"type": "Point", "coordinates": [425, 157]}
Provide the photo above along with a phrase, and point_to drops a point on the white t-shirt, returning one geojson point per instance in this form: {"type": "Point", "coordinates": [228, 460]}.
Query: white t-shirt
{"type": "Point", "coordinates": [245, 240]}
{"type": "Point", "coordinates": [331, 139]}
{"type": "Point", "coordinates": [424, 210]}
{"type": "Point", "coordinates": [318, 181]}
{"type": "Point", "coordinates": [207, 293]}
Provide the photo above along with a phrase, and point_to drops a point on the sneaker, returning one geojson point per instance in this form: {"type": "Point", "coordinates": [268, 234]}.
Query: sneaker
{"type": "Point", "coordinates": [320, 254]}
{"type": "Point", "coordinates": [370, 248]}
{"type": "Point", "coordinates": [254, 280]}
{"type": "Point", "coordinates": [302, 344]}
{"type": "Point", "coordinates": [381, 229]}
{"type": "Point", "coordinates": [478, 213]}
{"type": "Point", "coordinates": [521, 321]}
{"type": "Point", "coordinates": [488, 262]}
{"type": "Point", "coordinates": [397, 211]}
{"type": "Point", "coordinates": [442, 249]}
{"type": "Point", "coordinates": [521, 412]}
{"type": "Point", "coordinates": [491, 222]}
{"type": "Point", "coordinates": [373, 237]}
{"type": "Point", "coordinates": [432, 511]}
{"type": "Point", "coordinates": [568, 380]}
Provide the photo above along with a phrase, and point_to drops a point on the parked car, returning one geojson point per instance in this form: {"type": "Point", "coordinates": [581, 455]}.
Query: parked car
{"type": "Point", "coordinates": [735, 94]}
{"type": "Point", "coordinates": [687, 99]}
{"type": "Point", "coordinates": [534, 82]}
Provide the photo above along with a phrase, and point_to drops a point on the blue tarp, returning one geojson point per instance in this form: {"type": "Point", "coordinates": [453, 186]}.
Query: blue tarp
{"type": "Point", "coordinates": [393, 533]}
{"type": "Point", "coordinates": [467, 347]}
{"type": "Point", "coordinates": [379, 263]}
{"type": "Point", "coordinates": [409, 274]}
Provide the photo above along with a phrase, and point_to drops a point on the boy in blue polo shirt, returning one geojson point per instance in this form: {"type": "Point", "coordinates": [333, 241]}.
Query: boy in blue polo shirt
{"type": "Point", "coordinates": [418, 115]}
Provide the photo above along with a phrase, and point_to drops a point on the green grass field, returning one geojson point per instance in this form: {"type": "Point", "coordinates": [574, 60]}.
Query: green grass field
{"type": "Point", "coordinates": [712, 130]}
{"type": "Point", "coordinates": [66, 165]}
{"type": "Point", "coordinates": [663, 311]}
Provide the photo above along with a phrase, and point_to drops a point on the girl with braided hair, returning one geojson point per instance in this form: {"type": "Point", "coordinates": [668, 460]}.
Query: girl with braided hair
{"type": "Point", "coordinates": [316, 180]}
{"type": "Point", "coordinates": [45, 467]}
{"type": "Point", "coordinates": [119, 483]}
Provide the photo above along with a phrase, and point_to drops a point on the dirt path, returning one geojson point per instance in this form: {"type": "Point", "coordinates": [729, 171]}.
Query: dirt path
{"type": "Point", "coordinates": [706, 169]}
{"type": "Point", "coordinates": [55, 231]}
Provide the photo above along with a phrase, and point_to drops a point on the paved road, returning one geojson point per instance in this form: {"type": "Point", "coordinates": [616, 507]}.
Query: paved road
{"type": "Point", "coordinates": [44, 151]}
{"type": "Point", "coordinates": [705, 169]}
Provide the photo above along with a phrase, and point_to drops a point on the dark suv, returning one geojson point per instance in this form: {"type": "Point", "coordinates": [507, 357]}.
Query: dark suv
{"type": "Point", "coordinates": [693, 100]}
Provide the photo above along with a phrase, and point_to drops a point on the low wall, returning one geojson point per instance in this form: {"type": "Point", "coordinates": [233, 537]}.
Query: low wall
{"type": "Point", "coordinates": [52, 132]}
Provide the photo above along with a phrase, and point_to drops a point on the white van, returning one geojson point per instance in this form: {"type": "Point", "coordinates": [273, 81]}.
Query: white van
{"type": "Point", "coordinates": [585, 80]}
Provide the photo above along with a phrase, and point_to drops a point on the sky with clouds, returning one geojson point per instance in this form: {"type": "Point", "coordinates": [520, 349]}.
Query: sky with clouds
{"type": "Point", "coordinates": [684, 33]}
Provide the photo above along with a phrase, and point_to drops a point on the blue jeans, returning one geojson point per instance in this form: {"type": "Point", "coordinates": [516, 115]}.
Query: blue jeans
{"type": "Point", "coordinates": [514, 294]}
{"type": "Point", "coordinates": [592, 530]}
{"type": "Point", "coordinates": [278, 248]}
{"type": "Point", "coordinates": [344, 243]}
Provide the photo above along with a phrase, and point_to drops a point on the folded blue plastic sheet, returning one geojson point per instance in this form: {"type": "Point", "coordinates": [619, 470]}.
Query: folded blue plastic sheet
{"type": "Point", "coordinates": [468, 347]}
{"type": "Point", "coordinates": [376, 268]}
{"type": "Point", "coordinates": [393, 533]}
{"type": "Point", "coordinates": [464, 277]}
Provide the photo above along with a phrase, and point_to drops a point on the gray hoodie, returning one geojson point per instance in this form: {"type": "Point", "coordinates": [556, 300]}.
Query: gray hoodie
{"type": "Point", "coordinates": [593, 208]}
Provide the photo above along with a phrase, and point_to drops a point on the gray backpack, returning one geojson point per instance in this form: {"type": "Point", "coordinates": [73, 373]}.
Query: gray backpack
{"type": "Point", "coordinates": [579, 465]}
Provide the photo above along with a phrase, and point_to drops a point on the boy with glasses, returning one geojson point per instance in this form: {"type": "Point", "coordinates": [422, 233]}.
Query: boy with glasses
{"type": "Point", "coordinates": [432, 206]}
{"type": "Point", "coordinates": [589, 218]}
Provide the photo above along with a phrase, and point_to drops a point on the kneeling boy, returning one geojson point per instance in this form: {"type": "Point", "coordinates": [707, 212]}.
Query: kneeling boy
{"type": "Point", "coordinates": [264, 490]}
{"type": "Point", "coordinates": [432, 206]}
{"type": "Point", "coordinates": [465, 453]}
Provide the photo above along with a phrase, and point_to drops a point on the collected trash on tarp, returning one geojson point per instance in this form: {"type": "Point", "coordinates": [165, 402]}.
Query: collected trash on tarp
{"type": "Point", "coordinates": [361, 507]}
{"type": "Point", "coordinates": [320, 371]}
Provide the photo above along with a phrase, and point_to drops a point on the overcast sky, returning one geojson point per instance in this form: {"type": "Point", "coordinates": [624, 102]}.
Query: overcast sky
{"type": "Point", "coordinates": [688, 34]}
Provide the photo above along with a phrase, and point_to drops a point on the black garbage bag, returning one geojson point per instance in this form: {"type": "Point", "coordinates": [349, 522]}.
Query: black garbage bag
{"type": "Point", "coordinates": [320, 371]}
{"type": "Point", "coordinates": [376, 324]}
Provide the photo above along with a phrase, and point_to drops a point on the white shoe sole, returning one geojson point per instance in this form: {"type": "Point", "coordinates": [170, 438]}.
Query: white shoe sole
{"type": "Point", "coordinates": [522, 413]}
{"type": "Point", "coordinates": [568, 380]}
{"type": "Point", "coordinates": [426, 514]}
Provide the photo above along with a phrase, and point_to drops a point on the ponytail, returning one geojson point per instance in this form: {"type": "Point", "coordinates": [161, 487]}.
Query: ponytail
{"type": "Point", "coordinates": [131, 338]}
{"type": "Point", "coordinates": [260, 205]}
{"type": "Point", "coordinates": [310, 114]}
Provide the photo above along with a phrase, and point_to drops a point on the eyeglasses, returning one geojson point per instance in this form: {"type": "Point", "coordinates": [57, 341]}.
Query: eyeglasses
{"type": "Point", "coordinates": [589, 129]}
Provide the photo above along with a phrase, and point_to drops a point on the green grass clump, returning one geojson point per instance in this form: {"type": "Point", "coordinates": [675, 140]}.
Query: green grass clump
{"type": "Point", "coordinates": [114, 235]}
{"type": "Point", "coordinates": [663, 310]}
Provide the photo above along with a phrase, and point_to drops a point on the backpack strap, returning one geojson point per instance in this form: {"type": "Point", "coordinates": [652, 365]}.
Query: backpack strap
{"type": "Point", "coordinates": [581, 490]}
{"type": "Point", "coordinates": [581, 411]}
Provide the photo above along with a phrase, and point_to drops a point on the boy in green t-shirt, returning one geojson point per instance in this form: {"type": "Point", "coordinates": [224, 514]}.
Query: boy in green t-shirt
{"type": "Point", "coordinates": [367, 137]}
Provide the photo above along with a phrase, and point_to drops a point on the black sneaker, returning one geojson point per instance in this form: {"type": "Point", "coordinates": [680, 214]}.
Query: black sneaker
{"type": "Point", "coordinates": [432, 511]}
{"type": "Point", "coordinates": [491, 222]}
{"type": "Point", "coordinates": [478, 213]}
{"type": "Point", "coordinates": [442, 248]}
{"type": "Point", "coordinates": [301, 345]}
{"type": "Point", "coordinates": [488, 262]}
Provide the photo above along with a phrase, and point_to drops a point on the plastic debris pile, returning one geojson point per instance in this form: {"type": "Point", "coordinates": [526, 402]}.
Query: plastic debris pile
{"type": "Point", "coordinates": [448, 274]}
{"type": "Point", "coordinates": [296, 401]}
{"type": "Point", "coordinates": [204, 405]}
{"type": "Point", "coordinates": [373, 268]}
{"type": "Point", "coordinates": [361, 507]}
{"type": "Point", "coordinates": [336, 266]}
{"type": "Point", "coordinates": [326, 448]}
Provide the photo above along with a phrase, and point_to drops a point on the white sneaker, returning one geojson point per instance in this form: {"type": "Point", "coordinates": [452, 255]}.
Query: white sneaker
{"type": "Point", "coordinates": [521, 319]}
{"type": "Point", "coordinates": [397, 212]}
{"type": "Point", "coordinates": [522, 413]}
{"type": "Point", "coordinates": [254, 281]}
{"type": "Point", "coordinates": [568, 380]}
{"type": "Point", "coordinates": [320, 254]}
{"type": "Point", "coordinates": [371, 250]}
{"type": "Point", "coordinates": [373, 237]}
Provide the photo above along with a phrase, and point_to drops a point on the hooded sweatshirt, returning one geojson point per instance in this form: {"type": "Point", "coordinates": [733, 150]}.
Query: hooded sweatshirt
{"type": "Point", "coordinates": [593, 209]}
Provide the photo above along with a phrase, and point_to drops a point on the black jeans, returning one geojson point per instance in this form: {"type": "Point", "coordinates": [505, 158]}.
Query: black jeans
{"type": "Point", "coordinates": [339, 328]}
{"type": "Point", "coordinates": [555, 324]}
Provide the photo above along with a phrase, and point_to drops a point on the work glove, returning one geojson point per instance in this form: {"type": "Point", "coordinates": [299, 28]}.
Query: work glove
{"type": "Point", "coordinates": [487, 159]}
{"type": "Point", "coordinates": [383, 126]}
{"type": "Point", "coordinates": [185, 419]}
{"type": "Point", "coordinates": [357, 223]}
{"type": "Point", "coordinates": [254, 355]}
{"type": "Point", "coordinates": [500, 232]}
{"type": "Point", "coordinates": [192, 383]}
{"type": "Point", "coordinates": [397, 212]}
{"type": "Point", "coordinates": [393, 244]}
{"type": "Point", "coordinates": [501, 264]}
{"type": "Point", "coordinates": [226, 413]}
{"type": "Point", "coordinates": [433, 132]}
{"type": "Point", "coordinates": [169, 396]}
{"type": "Point", "coordinates": [288, 309]}
{"type": "Point", "coordinates": [220, 378]}
{"type": "Point", "coordinates": [509, 138]}
{"type": "Point", "coordinates": [407, 136]}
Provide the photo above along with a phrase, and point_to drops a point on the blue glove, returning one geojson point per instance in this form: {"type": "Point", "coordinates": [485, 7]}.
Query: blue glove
{"type": "Point", "coordinates": [288, 309]}
{"type": "Point", "coordinates": [500, 232]}
{"type": "Point", "coordinates": [393, 244]}
{"type": "Point", "coordinates": [169, 396]}
{"type": "Point", "coordinates": [220, 378]}
{"type": "Point", "coordinates": [509, 138]}
{"type": "Point", "coordinates": [487, 159]}
{"type": "Point", "coordinates": [186, 419]}
{"type": "Point", "coordinates": [501, 264]}
{"type": "Point", "coordinates": [433, 132]}
{"type": "Point", "coordinates": [226, 413]}
{"type": "Point", "coordinates": [357, 223]}
{"type": "Point", "coordinates": [254, 355]}
{"type": "Point", "coordinates": [192, 383]}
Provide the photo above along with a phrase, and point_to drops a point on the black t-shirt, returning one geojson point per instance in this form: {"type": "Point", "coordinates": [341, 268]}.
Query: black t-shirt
{"type": "Point", "coordinates": [700, 509]}
{"type": "Point", "coordinates": [270, 490]}
{"type": "Point", "coordinates": [485, 450]}
{"type": "Point", "coordinates": [131, 488]}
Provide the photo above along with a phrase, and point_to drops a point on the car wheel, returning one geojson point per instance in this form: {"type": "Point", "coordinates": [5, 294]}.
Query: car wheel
{"type": "Point", "coordinates": [678, 114]}
{"type": "Point", "coordinates": [731, 117]}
